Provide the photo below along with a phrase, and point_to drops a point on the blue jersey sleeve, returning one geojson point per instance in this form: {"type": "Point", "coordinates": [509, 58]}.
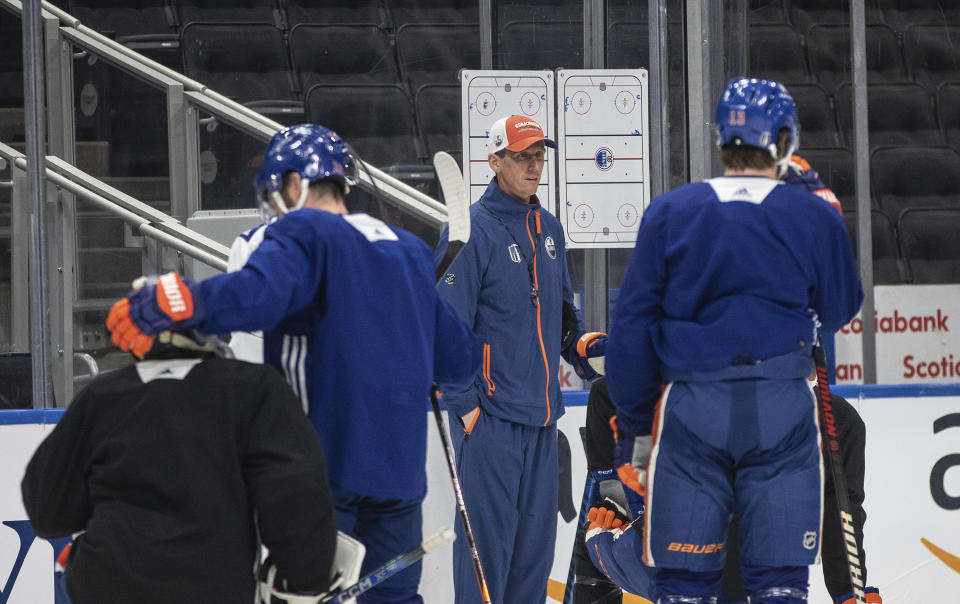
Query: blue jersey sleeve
{"type": "Point", "coordinates": [456, 351]}
{"type": "Point", "coordinates": [620, 560]}
{"type": "Point", "coordinates": [632, 365]}
{"type": "Point", "coordinates": [838, 293]}
{"type": "Point", "coordinates": [281, 276]}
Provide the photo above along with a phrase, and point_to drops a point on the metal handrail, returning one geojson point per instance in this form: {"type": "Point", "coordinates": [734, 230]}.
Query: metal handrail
{"type": "Point", "coordinates": [238, 115]}
{"type": "Point", "coordinates": [145, 219]}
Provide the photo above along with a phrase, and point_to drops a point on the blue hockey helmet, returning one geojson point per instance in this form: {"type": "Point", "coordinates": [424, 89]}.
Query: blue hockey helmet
{"type": "Point", "coordinates": [751, 112]}
{"type": "Point", "coordinates": [314, 152]}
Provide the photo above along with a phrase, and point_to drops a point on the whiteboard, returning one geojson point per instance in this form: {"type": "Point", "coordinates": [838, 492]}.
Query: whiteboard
{"type": "Point", "coordinates": [604, 174]}
{"type": "Point", "coordinates": [488, 95]}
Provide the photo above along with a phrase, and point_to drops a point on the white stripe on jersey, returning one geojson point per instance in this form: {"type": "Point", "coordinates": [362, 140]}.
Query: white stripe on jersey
{"type": "Point", "coordinates": [293, 356]}
{"type": "Point", "coordinates": [651, 474]}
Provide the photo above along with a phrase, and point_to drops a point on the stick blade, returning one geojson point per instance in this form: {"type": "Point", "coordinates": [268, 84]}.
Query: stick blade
{"type": "Point", "coordinates": [455, 194]}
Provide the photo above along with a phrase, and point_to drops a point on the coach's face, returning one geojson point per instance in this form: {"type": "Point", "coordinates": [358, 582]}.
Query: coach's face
{"type": "Point", "coordinates": [518, 173]}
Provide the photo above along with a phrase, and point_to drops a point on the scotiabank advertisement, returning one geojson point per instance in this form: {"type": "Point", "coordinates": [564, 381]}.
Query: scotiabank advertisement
{"type": "Point", "coordinates": [917, 336]}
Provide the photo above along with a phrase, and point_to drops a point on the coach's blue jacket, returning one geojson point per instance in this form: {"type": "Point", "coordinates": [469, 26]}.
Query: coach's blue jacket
{"type": "Point", "coordinates": [513, 248]}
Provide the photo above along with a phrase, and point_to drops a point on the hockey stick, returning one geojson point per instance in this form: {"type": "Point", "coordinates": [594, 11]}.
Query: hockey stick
{"type": "Point", "coordinates": [588, 488]}
{"type": "Point", "coordinates": [458, 208]}
{"type": "Point", "coordinates": [458, 233]}
{"type": "Point", "coordinates": [458, 493]}
{"type": "Point", "coordinates": [828, 431]}
{"type": "Point", "coordinates": [390, 568]}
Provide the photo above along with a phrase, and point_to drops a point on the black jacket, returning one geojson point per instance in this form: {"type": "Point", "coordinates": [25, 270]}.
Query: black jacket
{"type": "Point", "coordinates": [163, 464]}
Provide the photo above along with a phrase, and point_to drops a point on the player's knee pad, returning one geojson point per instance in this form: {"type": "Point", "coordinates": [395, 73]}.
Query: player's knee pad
{"type": "Point", "coordinates": [778, 595]}
{"type": "Point", "coordinates": [687, 600]}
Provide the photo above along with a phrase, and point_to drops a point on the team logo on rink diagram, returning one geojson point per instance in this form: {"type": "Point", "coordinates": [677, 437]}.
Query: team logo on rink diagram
{"type": "Point", "coordinates": [551, 247]}
{"type": "Point", "coordinates": [603, 158]}
{"type": "Point", "coordinates": [810, 540]}
{"type": "Point", "coordinates": [514, 250]}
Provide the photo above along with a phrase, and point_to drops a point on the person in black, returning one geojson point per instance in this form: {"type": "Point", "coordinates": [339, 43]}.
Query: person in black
{"type": "Point", "coordinates": [174, 467]}
{"type": "Point", "coordinates": [593, 587]}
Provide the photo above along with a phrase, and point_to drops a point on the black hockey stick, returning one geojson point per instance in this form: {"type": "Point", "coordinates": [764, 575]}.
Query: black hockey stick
{"type": "Point", "coordinates": [390, 568]}
{"type": "Point", "coordinates": [828, 431]}
{"type": "Point", "coordinates": [458, 233]}
{"type": "Point", "coordinates": [588, 488]}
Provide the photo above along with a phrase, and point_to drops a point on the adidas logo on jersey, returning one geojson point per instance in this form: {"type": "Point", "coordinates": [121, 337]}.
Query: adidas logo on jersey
{"type": "Point", "coordinates": [741, 192]}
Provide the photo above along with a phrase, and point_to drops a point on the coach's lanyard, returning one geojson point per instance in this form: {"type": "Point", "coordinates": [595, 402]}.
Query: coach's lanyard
{"type": "Point", "coordinates": [534, 293]}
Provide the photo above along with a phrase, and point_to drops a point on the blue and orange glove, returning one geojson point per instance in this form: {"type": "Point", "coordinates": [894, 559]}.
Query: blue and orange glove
{"type": "Point", "coordinates": [631, 454]}
{"type": "Point", "coordinates": [155, 304]}
{"type": "Point", "coordinates": [587, 360]}
{"type": "Point", "coordinates": [872, 594]}
{"type": "Point", "coordinates": [800, 173]}
{"type": "Point", "coordinates": [611, 512]}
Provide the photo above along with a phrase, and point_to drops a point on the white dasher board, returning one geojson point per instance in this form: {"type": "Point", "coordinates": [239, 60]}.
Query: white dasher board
{"type": "Point", "coordinates": [603, 149]}
{"type": "Point", "coordinates": [489, 95]}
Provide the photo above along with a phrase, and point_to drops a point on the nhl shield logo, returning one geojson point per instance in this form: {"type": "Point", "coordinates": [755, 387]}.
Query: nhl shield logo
{"type": "Point", "coordinates": [514, 250]}
{"type": "Point", "coordinates": [810, 539]}
{"type": "Point", "coordinates": [551, 247]}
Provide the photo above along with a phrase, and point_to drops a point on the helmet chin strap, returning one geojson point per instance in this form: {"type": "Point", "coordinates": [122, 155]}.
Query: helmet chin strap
{"type": "Point", "coordinates": [282, 206]}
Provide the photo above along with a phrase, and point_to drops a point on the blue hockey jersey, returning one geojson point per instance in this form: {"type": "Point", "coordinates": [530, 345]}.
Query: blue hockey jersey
{"type": "Point", "coordinates": [513, 248]}
{"type": "Point", "coordinates": [726, 275]}
{"type": "Point", "coordinates": [352, 318]}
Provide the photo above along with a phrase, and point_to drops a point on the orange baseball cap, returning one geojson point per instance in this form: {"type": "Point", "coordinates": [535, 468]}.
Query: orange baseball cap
{"type": "Point", "coordinates": [516, 133]}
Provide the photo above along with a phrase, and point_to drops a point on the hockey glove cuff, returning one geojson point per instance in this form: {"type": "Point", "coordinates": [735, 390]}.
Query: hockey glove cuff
{"type": "Point", "coordinates": [631, 456]}
{"type": "Point", "coordinates": [155, 305]}
{"type": "Point", "coordinates": [587, 358]}
{"type": "Point", "coordinates": [872, 594]}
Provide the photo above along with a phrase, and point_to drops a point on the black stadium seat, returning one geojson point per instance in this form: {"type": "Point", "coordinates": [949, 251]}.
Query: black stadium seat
{"type": "Point", "coordinates": [929, 244]}
{"type": "Point", "coordinates": [932, 53]}
{"type": "Point", "coordinates": [829, 49]}
{"type": "Point", "coordinates": [628, 44]}
{"type": "Point", "coordinates": [541, 45]}
{"type": "Point", "coordinates": [817, 119]}
{"type": "Point", "coordinates": [805, 13]}
{"type": "Point", "coordinates": [244, 61]}
{"type": "Point", "coordinates": [948, 102]}
{"type": "Point", "coordinates": [333, 12]}
{"type": "Point", "coordinates": [905, 177]}
{"type": "Point", "coordinates": [901, 14]}
{"type": "Point", "coordinates": [898, 114]}
{"type": "Point", "coordinates": [768, 12]}
{"type": "Point", "coordinates": [357, 54]}
{"type": "Point", "coordinates": [887, 266]}
{"type": "Point", "coordinates": [376, 119]}
{"type": "Point", "coordinates": [122, 18]}
{"type": "Point", "coordinates": [433, 11]}
{"type": "Point", "coordinates": [11, 61]}
{"type": "Point", "coordinates": [777, 52]}
{"type": "Point", "coordinates": [232, 11]}
{"type": "Point", "coordinates": [435, 53]}
{"type": "Point", "coordinates": [438, 110]}
{"type": "Point", "coordinates": [836, 169]}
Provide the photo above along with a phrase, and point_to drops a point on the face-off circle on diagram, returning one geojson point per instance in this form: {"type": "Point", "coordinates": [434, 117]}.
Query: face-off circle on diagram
{"type": "Point", "coordinates": [625, 102]}
{"type": "Point", "coordinates": [580, 102]}
{"type": "Point", "coordinates": [485, 104]}
{"type": "Point", "coordinates": [603, 158]}
{"type": "Point", "coordinates": [627, 214]}
{"type": "Point", "coordinates": [583, 215]}
{"type": "Point", "coordinates": [530, 103]}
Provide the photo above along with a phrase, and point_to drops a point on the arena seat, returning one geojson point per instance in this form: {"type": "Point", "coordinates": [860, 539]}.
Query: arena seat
{"type": "Point", "coordinates": [905, 177]}
{"type": "Point", "coordinates": [122, 18]}
{"type": "Point", "coordinates": [929, 243]}
{"type": "Point", "coordinates": [435, 53]}
{"type": "Point", "coordinates": [948, 102]}
{"type": "Point", "coordinates": [805, 13]}
{"type": "Point", "coordinates": [438, 111]}
{"type": "Point", "coordinates": [901, 14]}
{"type": "Point", "coordinates": [835, 166]}
{"type": "Point", "coordinates": [767, 12]}
{"type": "Point", "coordinates": [333, 12]}
{"type": "Point", "coordinates": [359, 53]}
{"type": "Point", "coordinates": [433, 11]}
{"type": "Point", "coordinates": [817, 118]}
{"type": "Point", "coordinates": [897, 114]}
{"type": "Point", "coordinates": [11, 62]}
{"type": "Point", "coordinates": [244, 61]}
{"type": "Point", "coordinates": [829, 49]}
{"type": "Point", "coordinates": [541, 45]}
{"type": "Point", "coordinates": [888, 268]}
{"type": "Point", "coordinates": [628, 45]}
{"type": "Point", "coordinates": [230, 11]}
{"type": "Point", "coordinates": [932, 53]}
{"type": "Point", "coordinates": [777, 52]}
{"type": "Point", "coordinates": [377, 120]}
